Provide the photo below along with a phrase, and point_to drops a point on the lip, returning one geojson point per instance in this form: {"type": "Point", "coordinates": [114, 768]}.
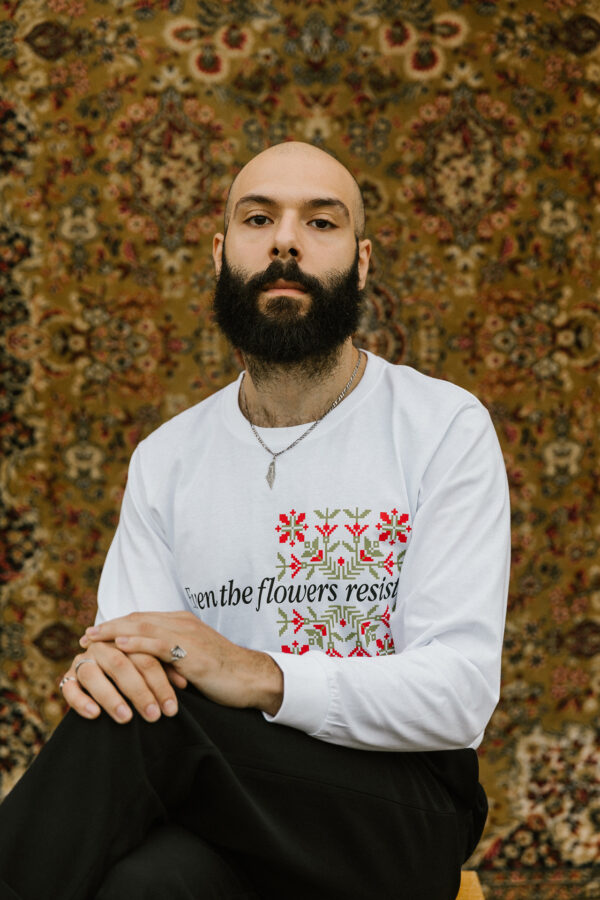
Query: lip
{"type": "Point", "coordinates": [284, 288]}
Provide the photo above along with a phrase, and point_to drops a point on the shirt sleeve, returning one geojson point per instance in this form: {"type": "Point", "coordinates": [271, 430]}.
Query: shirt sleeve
{"type": "Point", "coordinates": [439, 689]}
{"type": "Point", "coordinates": [139, 571]}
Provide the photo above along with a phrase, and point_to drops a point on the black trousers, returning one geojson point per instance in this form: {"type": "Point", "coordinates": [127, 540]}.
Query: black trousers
{"type": "Point", "coordinates": [218, 803]}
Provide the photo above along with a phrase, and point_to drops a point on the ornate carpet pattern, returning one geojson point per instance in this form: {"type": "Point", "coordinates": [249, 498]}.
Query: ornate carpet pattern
{"type": "Point", "coordinates": [473, 128]}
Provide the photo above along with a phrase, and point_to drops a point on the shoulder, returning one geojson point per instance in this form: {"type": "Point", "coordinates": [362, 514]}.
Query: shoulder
{"type": "Point", "coordinates": [424, 398]}
{"type": "Point", "coordinates": [186, 428]}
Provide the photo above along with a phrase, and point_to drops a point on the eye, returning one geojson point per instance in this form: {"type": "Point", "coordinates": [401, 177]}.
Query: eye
{"type": "Point", "coordinates": [322, 224]}
{"type": "Point", "coordinates": [257, 220]}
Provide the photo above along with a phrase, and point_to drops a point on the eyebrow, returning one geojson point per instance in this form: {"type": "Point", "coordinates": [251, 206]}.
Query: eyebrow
{"type": "Point", "coordinates": [315, 203]}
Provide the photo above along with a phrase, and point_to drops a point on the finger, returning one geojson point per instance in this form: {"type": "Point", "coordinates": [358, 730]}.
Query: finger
{"type": "Point", "coordinates": [78, 700]}
{"type": "Point", "coordinates": [157, 647]}
{"type": "Point", "coordinates": [134, 623]}
{"type": "Point", "coordinates": [155, 676]}
{"type": "Point", "coordinates": [176, 677]}
{"type": "Point", "coordinates": [113, 680]}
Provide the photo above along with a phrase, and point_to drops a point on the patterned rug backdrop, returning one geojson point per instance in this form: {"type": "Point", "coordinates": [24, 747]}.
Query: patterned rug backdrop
{"type": "Point", "coordinates": [473, 129]}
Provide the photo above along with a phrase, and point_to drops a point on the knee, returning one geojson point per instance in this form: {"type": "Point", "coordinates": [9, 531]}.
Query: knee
{"type": "Point", "coordinates": [133, 877]}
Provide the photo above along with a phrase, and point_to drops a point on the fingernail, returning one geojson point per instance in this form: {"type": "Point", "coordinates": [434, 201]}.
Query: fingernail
{"type": "Point", "coordinates": [170, 707]}
{"type": "Point", "coordinates": [152, 711]}
{"type": "Point", "coordinates": [92, 631]}
{"type": "Point", "coordinates": [123, 713]}
{"type": "Point", "coordinates": [121, 641]}
{"type": "Point", "coordinates": [91, 709]}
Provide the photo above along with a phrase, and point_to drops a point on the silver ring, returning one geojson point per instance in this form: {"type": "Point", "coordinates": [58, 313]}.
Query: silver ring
{"type": "Point", "coordinates": [82, 661]}
{"type": "Point", "coordinates": [177, 652]}
{"type": "Point", "coordinates": [64, 680]}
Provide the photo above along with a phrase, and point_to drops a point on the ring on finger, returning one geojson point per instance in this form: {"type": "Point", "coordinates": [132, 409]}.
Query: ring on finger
{"type": "Point", "coordinates": [82, 661]}
{"type": "Point", "coordinates": [64, 680]}
{"type": "Point", "coordinates": [177, 653]}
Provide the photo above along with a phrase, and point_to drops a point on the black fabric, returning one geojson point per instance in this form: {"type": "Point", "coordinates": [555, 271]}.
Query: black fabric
{"type": "Point", "coordinates": [173, 864]}
{"type": "Point", "coordinates": [287, 815]}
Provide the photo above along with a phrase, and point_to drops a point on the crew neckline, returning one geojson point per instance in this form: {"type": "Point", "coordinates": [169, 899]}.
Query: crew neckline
{"type": "Point", "coordinates": [278, 437]}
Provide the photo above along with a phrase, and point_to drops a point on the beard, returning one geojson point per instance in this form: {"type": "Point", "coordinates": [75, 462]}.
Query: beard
{"type": "Point", "coordinates": [287, 333]}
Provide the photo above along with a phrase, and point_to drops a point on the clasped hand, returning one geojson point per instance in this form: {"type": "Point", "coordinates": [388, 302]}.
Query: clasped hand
{"type": "Point", "coordinates": [130, 664]}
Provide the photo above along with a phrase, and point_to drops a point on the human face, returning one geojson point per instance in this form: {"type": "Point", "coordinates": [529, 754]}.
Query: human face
{"type": "Point", "coordinates": [283, 329]}
{"type": "Point", "coordinates": [293, 202]}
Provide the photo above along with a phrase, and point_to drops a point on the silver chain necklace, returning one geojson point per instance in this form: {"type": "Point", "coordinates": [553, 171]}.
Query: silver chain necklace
{"type": "Point", "coordinates": [271, 470]}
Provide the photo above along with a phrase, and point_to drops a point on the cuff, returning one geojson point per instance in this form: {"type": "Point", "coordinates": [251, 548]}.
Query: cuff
{"type": "Point", "coordinates": [305, 691]}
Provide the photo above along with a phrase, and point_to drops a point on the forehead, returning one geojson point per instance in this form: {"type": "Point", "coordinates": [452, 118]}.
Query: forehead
{"type": "Point", "coordinates": [294, 179]}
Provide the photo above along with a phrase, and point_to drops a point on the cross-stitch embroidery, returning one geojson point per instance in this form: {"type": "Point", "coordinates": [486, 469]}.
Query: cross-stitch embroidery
{"type": "Point", "coordinates": [343, 545]}
{"type": "Point", "coordinates": [363, 632]}
{"type": "Point", "coordinates": [335, 556]}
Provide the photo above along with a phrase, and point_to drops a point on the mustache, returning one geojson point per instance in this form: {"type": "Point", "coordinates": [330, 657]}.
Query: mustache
{"type": "Point", "coordinates": [289, 271]}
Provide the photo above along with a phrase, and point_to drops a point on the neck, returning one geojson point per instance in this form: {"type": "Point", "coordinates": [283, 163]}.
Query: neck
{"type": "Point", "coordinates": [280, 396]}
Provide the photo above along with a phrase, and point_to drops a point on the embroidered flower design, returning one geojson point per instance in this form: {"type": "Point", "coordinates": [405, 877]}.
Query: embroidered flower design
{"type": "Point", "coordinates": [291, 527]}
{"type": "Point", "coordinates": [393, 527]}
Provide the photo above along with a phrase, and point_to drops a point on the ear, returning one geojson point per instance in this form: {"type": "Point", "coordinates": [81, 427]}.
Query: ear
{"type": "Point", "coordinates": [217, 251]}
{"type": "Point", "coordinates": [364, 255]}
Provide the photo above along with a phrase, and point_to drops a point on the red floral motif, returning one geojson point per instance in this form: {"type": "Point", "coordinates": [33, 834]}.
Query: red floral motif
{"type": "Point", "coordinates": [291, 527]}
{"type": "Point", "coordinates": [388, 564]}
{"type": "Point", "coordinates": [298, 621]}
{"type": "Point", "coordinates": [360, 552]}
{"type": "Point", "coordinates": [206, 63]}
{"type": "Point", "coordinates": [356, 529]}
{"type": "Point", "coordinates": [385, 644]}
{"type": "Point", "coordinates": [295, 566]}
{"type": "Point", "coordinates": [393, 527]}
{"type": "Point", "coordinates": [326, 530]}
{"type": "Point", "coordinates": [295, 648]}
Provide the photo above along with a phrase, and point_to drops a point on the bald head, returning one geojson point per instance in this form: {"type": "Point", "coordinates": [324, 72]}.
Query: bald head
{"type": "Point", "coordinates": [296, 158]}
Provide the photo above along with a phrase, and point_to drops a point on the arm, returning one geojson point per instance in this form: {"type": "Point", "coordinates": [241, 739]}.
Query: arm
{"type": "Point", "coordinates": [440, 687]}
{"type": "Point", "coordinates": [223, 671]}
{"type": "Point", "coordinates": [139, 575]}
{"type": "Point", "coordinates": [112, 677]}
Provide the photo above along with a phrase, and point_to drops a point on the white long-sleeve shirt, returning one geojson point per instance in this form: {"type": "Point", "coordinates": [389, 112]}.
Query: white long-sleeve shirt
{"type": "Point", "coordinates": [374, 572]}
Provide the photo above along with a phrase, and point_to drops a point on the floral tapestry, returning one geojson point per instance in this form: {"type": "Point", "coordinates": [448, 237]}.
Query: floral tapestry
{"type": "Point", "coordinates": [473, 129]}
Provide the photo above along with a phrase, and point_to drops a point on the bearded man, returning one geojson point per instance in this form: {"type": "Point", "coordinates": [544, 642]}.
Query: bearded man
{"type": "Point", "coordinates": [300, 618]}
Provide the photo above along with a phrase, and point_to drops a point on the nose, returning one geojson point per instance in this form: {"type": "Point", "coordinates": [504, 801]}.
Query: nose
{"type": "Point", "coordinates": [286, 239]}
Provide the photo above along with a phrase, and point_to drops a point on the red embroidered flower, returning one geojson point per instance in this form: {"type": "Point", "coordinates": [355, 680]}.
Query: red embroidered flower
{"type": "Point", "coordinates": [285, 648]}
{"type": "Point", "coordinates": [292, 527]}
{"type": "Point", "coordinates": [356, 529]}
{"type": "Point", "coordinates": [393, 527]}
{"type": "Point", "coordinates": [295, 566]}
{"type": "Point", "coordinates": [326, 530]}
{"type": "Point", "coordinates": [359, 651]}
{"type": "Point", "coordinates": [298, 621]}
{"type": "Point", "coordinates": [388, 564]}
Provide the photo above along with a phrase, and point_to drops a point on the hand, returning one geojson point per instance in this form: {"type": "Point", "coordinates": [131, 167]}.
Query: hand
{"type": "Point", "coordinates": [223, 671]}
{"type": "Point", "coordinates": [110, 675]}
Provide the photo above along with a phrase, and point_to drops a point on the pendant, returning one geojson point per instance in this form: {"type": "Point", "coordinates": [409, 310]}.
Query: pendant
{"type": "Point", "coordinates": [271, 473]}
